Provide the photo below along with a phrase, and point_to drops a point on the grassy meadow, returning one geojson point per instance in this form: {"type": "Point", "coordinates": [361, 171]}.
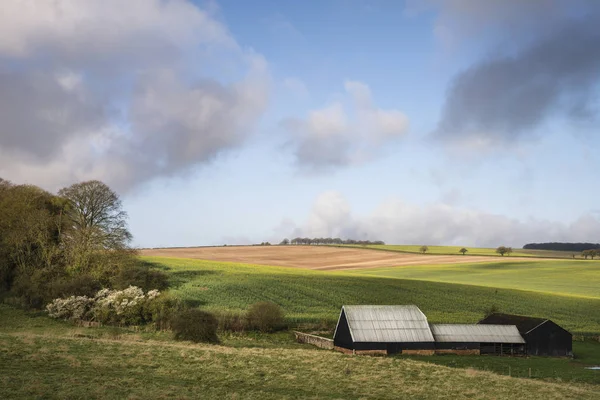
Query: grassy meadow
{"type": "Point", "coordinates": [315, 297]}
{"type": "Point", "coordinates": [43, 358]}
{"type": "Point", "coordinates": [472, 251]}
{"type": "Point", "coordinates": [571, 278]}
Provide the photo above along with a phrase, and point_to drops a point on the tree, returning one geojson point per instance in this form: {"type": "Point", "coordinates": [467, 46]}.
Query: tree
{"type": "Point", "coordinates": [509, 251]}
{"type": "Point", "coordinates": [97, 221]}
{"type": "Point", "coordinates": [424, 249]}
{"type": "Point", "coordinates": [463, 251]}
{"type": "Point", "coordinates": [593, 253]}
{"type": "Point", "coordinates": [501, 250]}
{"type": "Point", "coordinates": [585, 254]}
{"type": "Point", "coordinates": [285, 242]}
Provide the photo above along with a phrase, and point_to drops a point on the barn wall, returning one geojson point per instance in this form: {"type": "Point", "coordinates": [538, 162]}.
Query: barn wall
{"type": "Point", "coordinates": [342, 336]}
{"type": "Point", "coordinates": [549, 339]}
{"type": "Point", "coordinates": [464, 352]}
{"type": "Point", "coordinates": [456, 346]}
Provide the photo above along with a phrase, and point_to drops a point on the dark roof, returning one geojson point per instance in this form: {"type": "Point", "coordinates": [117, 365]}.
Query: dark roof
{"type": "Point", "coordinates": [524, 324]}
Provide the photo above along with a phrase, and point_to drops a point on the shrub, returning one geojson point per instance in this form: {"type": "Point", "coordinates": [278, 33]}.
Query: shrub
{"type": "Point", "coordinates": [195, 325]}
{"type": "Point", "coordinates": [74, 307]}
{"type": "Point", "coordinates": [34, 288]}
{"type": "Point", "coordinates": [118, 307]}
{"type": "Point", "coordinates": [81, 285]}
{"type": "Point", "coordinates": [265, 316]}
{"type": "Point", "coordinates": [123, 307]}
{"type": "Point", "coordinates": [140, 276]}
{"type": "Point", "coordinates": [161, 310]}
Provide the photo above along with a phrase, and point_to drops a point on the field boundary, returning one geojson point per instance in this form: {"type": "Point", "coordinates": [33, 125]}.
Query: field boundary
{"type": "Point", "coordinates": [318, 341]}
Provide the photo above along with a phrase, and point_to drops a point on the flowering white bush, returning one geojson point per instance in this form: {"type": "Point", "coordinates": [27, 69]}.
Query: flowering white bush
{"type": "Point", "coordinates": [74, 307]}
{"type": "Point", "coordinates": [127, 307]}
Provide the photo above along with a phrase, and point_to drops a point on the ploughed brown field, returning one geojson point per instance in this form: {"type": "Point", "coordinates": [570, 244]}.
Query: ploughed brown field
{"type": "Point", "coordinates": [317, 257]}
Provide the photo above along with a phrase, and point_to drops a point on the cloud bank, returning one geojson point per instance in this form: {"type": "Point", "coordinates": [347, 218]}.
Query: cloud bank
{"type": "Point", "coordinates": [339, 135]}
{"type": "Point", "coordinates": [397, 222]}
{"type": "Point", "coordinates": [120, 91]}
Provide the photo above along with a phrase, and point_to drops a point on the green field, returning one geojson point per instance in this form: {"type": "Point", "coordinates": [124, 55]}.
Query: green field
{"type": "Point", "coordinates": [43, 358]}
{"type": "Point", "coordinates": [313, 296]}
{"type": "Point", "coordinates": [572, 278]}
{"type": "Point", "coordinates": [472, 251]}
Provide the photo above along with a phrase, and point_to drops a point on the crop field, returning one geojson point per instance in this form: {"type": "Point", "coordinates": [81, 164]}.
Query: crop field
{"type": "Point", "coordinates": [472, 251]}
{"type": "Point", "coordinates": [326, 258]}
{"type": "Point", "coordinates": [42, 358]}
{"type": "Point", "coordinates": [574, 278]}
{"type": "Point", "coordinates": [310, 296]}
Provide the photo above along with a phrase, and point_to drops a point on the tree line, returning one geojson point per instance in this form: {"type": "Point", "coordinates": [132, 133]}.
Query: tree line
{"type": "Point", "coordinates": [74, 242]}
{"type": "Point", "coordinates": [329, 241]}
{"type": "Point", "coordinates": [560, 246]}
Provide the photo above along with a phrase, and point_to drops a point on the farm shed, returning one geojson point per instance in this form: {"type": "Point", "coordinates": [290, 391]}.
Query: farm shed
{"type": "Point", "coordinates": [543, 337]}
{"type": "Point", "coordinates": [383, 330]}
{"type": "Point", "coordinates": [477, 339]}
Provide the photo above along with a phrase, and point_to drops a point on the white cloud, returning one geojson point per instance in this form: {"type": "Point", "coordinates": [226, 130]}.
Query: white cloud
{"type": "Point", "coordinates": [336, 135]}
{"type": "Point", "coordinates": [398, 222]}
{"type": "Point", "coordinates": [120, 90]}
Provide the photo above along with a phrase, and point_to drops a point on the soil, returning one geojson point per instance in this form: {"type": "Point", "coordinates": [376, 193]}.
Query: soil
{"type": "Point", "coordinates": [317, 257]}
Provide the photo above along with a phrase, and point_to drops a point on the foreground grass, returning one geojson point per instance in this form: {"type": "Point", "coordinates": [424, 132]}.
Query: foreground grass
{"type": "Point", "coordinates": [587, 353]}
{"type": "Point", "coordinates": [578, 278]}
{"type": "Point", "coordinates": [315, 296]}
{"type": "Point", "coordinates": [472, 251]}
{"type": "Point", "coordinates": [60, 362]}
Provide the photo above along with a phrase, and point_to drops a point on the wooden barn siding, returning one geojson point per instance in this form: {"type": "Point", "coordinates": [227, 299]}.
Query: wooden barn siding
{"type": "Point", "coordinates": [549, 339]}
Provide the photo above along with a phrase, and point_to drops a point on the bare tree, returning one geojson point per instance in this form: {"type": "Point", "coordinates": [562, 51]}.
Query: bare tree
{"type": "Point", "coordinates": [97, 221]}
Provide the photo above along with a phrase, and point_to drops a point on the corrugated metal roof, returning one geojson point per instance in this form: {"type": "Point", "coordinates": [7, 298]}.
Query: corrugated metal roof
{"type": "Point", "coordinates": [387, 324]}
{"type": "Point", "coordinates": [476, 333]}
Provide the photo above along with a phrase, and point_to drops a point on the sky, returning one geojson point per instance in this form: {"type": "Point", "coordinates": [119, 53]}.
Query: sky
{"type": "Point", "coordinates": [438, 122]}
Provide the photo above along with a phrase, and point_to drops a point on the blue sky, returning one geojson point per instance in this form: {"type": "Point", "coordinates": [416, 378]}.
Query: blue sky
{"type": "Point", "coordinates": [426, 122]}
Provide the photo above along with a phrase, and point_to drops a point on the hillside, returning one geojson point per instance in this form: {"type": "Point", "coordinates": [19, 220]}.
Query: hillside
{"type": "Point", "coordinates": [316, 296]}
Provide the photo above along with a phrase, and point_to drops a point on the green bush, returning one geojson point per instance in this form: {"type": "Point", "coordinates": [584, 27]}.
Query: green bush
{"type": "Point", "coordinates": [195, 325]}
{"type": "Point", "coordinates": [81, 285]}
{"type": "Point", "coordinates": [162, 310]}
{"type": "Point", "coordinates": [140, 276]}
{"type": "Point", "coordinates": [265, 316]}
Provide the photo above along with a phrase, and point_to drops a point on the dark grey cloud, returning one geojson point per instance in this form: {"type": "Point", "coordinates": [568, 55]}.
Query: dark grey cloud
{"type": "Point", "coordinates": [507, 97]}
{"type": "Point", "coordinates": [89, 92]}
{"type": "Point", "coordinates": [38, 113]}
{"type": "Point", "coordinates": [540, 60]}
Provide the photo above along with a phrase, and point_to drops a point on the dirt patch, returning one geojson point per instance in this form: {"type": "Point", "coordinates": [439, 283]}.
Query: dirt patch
{"type": "Point", "coordinates": [317, 257]}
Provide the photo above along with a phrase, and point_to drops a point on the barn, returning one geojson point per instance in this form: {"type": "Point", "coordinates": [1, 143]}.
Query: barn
{"type": "Point", "coordinates": [543, 337]}
{"type": "Point", "coordinates": [383, 330]}
{"type": "Point", "coordinates": [477, 339]}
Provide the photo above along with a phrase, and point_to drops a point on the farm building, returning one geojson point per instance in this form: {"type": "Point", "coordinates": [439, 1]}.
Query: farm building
{"type": "Point", "coordinates": [477, 339]}
{"type": "Point", "coordinates": [383, 330]}
{"type": "Point", "coordinates": [543, 337]}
